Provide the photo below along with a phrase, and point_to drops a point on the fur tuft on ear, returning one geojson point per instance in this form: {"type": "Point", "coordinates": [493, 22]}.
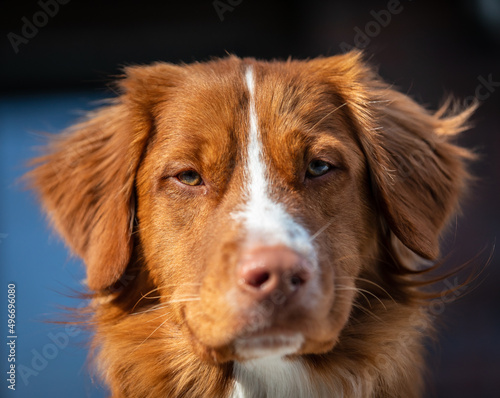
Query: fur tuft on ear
{"type": "Point", "coordinates": [85, 180]}
{"type": "Point", "coordinates": [150, 85]}
{"type": "Point", "coordinates": [417, 173]}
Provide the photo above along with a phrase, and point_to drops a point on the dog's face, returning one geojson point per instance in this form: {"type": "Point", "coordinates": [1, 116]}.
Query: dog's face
{"type": "Point", "coordinates": [261, 195]}
{"type": "Point", "coordinates": [251, 178]}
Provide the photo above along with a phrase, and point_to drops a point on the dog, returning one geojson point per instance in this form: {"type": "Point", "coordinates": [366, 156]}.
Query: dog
{"type": "Point", "coordinates": [257, 228]}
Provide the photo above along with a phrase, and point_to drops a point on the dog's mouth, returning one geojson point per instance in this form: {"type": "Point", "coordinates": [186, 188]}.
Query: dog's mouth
{"type": "Point", "coordinates": [265, 342]}
{"type": "Point", "coordinates": [273, 341]}
{"type": "Point", "coordinates": [268, 343]}
{"type": "Point", "coordinates": [245, 337]}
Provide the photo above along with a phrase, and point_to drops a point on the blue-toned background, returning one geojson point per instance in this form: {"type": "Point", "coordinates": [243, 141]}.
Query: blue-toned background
{"type": "Point", "coordinates": [50, 359]}
{"type": "Point", "coordinates": [427, 49]}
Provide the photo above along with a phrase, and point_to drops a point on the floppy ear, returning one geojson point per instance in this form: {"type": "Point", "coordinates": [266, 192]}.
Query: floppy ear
{"type": "Point", "coordinates": [86, 179]}
{"type": "Point", "coordinates": [417, 174]}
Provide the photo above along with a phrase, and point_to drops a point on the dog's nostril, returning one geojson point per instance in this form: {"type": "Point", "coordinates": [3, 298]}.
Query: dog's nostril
{"type": "Point", "coordinates": [258, 279]}
{"type": "Point", "coordinates": [296, 281]}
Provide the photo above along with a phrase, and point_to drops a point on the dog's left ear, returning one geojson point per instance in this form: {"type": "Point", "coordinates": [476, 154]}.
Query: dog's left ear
{"type": "Point", "coordinates": [417, 174]}
{"type": "Point", "coordinates": [85, 183]}
{"type": "Point", "coordinates": [86, 179]}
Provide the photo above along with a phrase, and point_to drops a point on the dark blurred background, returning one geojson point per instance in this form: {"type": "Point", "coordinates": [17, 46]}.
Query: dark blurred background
{"type": "Point", "coordinates": [56, 59]}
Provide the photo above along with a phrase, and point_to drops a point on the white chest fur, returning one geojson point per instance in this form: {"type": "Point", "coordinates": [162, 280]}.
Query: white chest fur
{"type": "Point", "coordinates": [275, 377]}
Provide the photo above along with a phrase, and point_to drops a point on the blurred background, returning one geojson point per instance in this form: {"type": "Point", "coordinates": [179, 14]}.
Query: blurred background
{"type": "Point", "coordinates": [57, 58]}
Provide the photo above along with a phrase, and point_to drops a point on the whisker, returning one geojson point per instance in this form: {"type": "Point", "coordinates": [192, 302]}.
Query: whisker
{"type": "Point", "coordinates": [373, 295]}
{"type": "Point", "coordinates": [182, 284]}
{"type": "Point", "coordinates": [328, 115]}
{"type": "Point", "coordinates": [376, 101]}
{"type": "Point", "coordinates": [146, 295]}
{"type": "Point", "coordinates": [372, 283]}
{"type": "Point", "coordinates": [340, 288]}
{"type": "Point", "coordinates": [166, 304]}
{"type": "Point", "coordinates": [153, 332]}
{"type": "Point", "coordinates": [321, 230]}
{"type": "Point", "coordinates": [367, 311]}
{"type": "Point", "coordinates": [362, 291]}
{"type": "Point", "coordinates": [154, 308]}
{"type": "Point", "coordinates": [159, 316]}
{"type": "Point", "coordinates": [360, 307]}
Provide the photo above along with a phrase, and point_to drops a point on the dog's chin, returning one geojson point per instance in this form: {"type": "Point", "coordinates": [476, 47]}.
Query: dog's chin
{"type": "Point", "coordinates": [262, 344]}
{"type": "Point", "coordinates": [266, 344]}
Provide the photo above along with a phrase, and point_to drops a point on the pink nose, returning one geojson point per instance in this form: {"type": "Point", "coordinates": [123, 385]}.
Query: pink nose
{"type": "Point", "coordinates": [273, 269]}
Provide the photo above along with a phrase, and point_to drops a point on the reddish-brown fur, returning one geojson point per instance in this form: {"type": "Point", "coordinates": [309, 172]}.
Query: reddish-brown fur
{"type": "Point", "coordinates": [150, 244]}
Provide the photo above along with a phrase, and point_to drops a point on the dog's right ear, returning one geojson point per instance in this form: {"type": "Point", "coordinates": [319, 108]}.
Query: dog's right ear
{"type": "Point", "coordinates": [418, 174]}
{"type": "Point", "coordinates": [85, 180]}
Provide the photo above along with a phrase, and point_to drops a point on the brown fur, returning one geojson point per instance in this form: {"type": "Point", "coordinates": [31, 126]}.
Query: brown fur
{"type": "Point", "coordinates": [151, 245]}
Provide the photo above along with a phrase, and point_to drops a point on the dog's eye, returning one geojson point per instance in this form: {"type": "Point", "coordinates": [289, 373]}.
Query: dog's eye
{"type": "Point", "coordinates": [190, 177]}
{"type": "Point", "coordinates": [317, 168]}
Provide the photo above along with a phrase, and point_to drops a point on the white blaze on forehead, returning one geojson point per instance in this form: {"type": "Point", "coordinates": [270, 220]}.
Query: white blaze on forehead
{"type": "Point", "coordinates": [266, 221]}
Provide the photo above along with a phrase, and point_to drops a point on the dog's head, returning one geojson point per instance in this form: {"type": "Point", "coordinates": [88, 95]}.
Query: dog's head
{"type": "Point", "coordinates": [256, 195]}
